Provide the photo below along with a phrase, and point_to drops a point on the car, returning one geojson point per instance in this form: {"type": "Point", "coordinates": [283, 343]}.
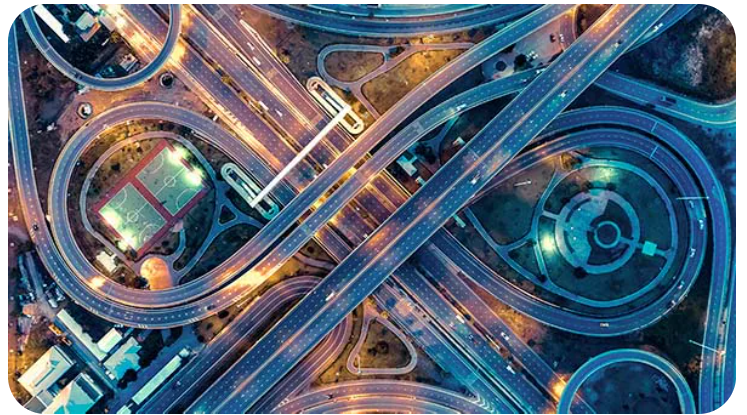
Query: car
{"type": "Point", "coordinates": [604, 325]}
{"type": "Point", "coordinates": [692, 252]}
{"type": "Point", "coordinates": [564, 94]}
{"type": "Point", "coordinates": [510, 369]}
{"type": "Point", "coordinates": [505, 336]}
{"type": "Point", "coordinates": [701, 224]}
{"type": "Point", "coordinates": [35, 227]}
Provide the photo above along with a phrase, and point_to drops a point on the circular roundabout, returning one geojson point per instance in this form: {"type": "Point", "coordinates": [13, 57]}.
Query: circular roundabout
{"type": "Point", "coordinates": [678, 246]}
{"type": "Point", "coordinates": [592, 230]}
{"type": "Point", "coordinates": [584, 231]}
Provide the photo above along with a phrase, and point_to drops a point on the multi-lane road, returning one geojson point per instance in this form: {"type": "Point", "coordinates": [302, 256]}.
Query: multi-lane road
{"type": "Point", "coordinates": [381, 395]}
{"type": "Point", "coordinates": [624, 356]}
{"type": "Point", "coordinates": [407, 26]}
{"type": "Point", "coordinates": [97, 82]}
{"type": "Point", "coordinates": [454, 184]}
{"type": "Point", "coordinates": [216, 36]}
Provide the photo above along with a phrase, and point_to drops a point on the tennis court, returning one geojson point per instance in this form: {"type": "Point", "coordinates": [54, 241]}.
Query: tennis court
{"type": "Point", "coordinates": [152, 197]}
{"type": "Point", "coordinates": [171, 179]}
{"type": "Point", "coordinates": [132, 217]}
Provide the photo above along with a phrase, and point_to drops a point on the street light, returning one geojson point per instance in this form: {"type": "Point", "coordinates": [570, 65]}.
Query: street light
{"type": "Point", "coordinates": [547, 243]}
{"type": "Point", "coordinates": [719, 352]}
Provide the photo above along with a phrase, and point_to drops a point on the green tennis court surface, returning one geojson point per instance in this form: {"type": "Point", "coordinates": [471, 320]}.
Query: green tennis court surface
{"type": "Point", "coordinates": [132, 217]}
{"type": "Point", "coordinates": [171, 180]}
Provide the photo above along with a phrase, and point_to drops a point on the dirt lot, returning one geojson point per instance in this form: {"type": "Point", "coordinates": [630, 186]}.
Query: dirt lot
{"type": "Point", "coordinates": [352, 66]}
{"type": "Point", "coordinates": [384, 91]}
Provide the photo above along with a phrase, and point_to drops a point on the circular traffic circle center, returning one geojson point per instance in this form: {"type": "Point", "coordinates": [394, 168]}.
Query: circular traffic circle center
{"type": "Point", "coordinates": [607, 234]}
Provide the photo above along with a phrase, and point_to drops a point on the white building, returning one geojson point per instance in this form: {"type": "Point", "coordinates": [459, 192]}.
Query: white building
{"type": "Point", "coordinates": [51, 21]}
{"type": "Point", "coordinates": [106, 261]}
{"type": "Point", "coordinates": [110, 339]}
{"type": "Point", "coordinates": [76, 398]}
{"type": "Point", "coordinates": [122, 359]}
{"type": "Point", "coordinates": [46, 371]}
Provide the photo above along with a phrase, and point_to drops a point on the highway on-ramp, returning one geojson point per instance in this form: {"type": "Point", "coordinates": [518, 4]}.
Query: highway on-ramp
{"type": "Point", "coordinates": [372, 393]}
{"type": "Point", "coordinates": [105, 84]}
{"type": "Point", "coordinates": [428, 209]}
{"type": "Point", "coordinates": [391, 27]}
{"type": "Point", "coordinates": [685, 396]}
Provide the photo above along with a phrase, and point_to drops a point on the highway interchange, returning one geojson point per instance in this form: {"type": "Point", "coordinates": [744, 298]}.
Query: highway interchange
{"type": "Point", "coordinates": [294, 349]}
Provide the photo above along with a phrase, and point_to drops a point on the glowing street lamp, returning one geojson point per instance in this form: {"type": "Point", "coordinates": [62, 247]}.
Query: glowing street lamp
{"type": "Point", "coordinates": [111, 217]}
{"type": "Point", "coordinates": [195, 176]}
{"type": "Point", "coordinates": [547, 243]}
{"type": "Point", "coordinates": [177, 155]}
{"type": "Point", "coordinates": [97, 282]}
{"type": "Point", "coordinates": [127, 239]}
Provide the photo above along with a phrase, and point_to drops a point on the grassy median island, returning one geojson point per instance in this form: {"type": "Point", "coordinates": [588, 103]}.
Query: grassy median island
{"type": "Point", "coordinates": [697, 57]}
{"type": "Point", "coordinates": [386, 351]}
{"type": "Point", "coordinates": [506, 211]}
{"type": "Point", "coordinates": [603, 231]}
{"type": "Point", "coordinates": [610, 390]}
{"type": "Point", "coordinates": [221, 248]}
{"type": "Point", "coordinates": [350, 66]}
{"type": "Point", "coordinates": [382, 349]}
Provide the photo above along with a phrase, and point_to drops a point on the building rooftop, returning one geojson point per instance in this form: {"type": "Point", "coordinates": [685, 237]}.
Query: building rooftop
{"type": "Point", "coordinates": [85, 22]}
{"type": "Point", "coordinates": [46, 371]}
{"type": "Point", "coordinates": [157, 380]}
{"type": "Point", "coordinates": [76, 398]}
{"type": "Point", "coordinates": [66, 320]}
{"type": "Point", "coordinates": [52, 22]}
{"type": "Point", "coordinates": [110, 339]}
{"type": "Point", "coordinates": [124, 358]}
{"type": "Point", "coordinates": [107, 261]}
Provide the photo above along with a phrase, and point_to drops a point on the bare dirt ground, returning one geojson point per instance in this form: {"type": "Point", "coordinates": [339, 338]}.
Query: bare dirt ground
{"type": "Point", "coordinates": [384, 91]}
{"type": "Point", "coordinates": [352, 66]}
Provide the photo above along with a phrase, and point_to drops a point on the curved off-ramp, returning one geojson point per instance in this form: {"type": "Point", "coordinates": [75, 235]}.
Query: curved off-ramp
{"type": "Point", "coordinates": [374, 394]}
{"type": "Point", "coordinates": [354, 363]}
{"type": "Point", "coordinates": [396, 27]}
{"type": "Point", "coordinates": [105, 84]}
{"type": "Point", "coordinates": [684, 394]}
